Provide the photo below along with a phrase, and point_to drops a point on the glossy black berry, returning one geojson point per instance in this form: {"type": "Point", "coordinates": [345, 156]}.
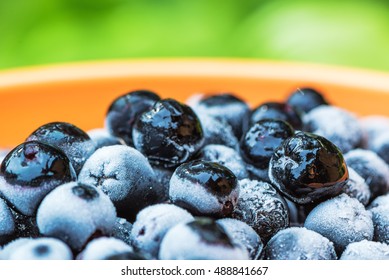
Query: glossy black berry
{"type": "Point", "coordinates": [168, 134]}
{"type": "Point", "coordinates": [259, 142]}
{"type": "Point", "coordinates": [307, 168]}
{"type": "Point", "coordinates": [305, 99]}
{"type": "Point", "coordinates": [227, 108]}
{"type": "Point", "coordinates": [73, 141]}
{"type": "Point", "coordinates": [125, 110]}
{"type": "Point", "coordinates": [277, 110]}
{"type": "Point", "coordinates": [205, 188]}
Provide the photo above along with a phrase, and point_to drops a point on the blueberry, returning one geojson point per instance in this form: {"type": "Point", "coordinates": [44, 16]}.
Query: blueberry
{"type": "Point", "coordinates": [201, 239]}
{"type": "Point", "coordinates": [204, 188]}
{"type": "Point", "coordinates": [356, 187]}
{"type": "Point", "coordinates": [380, 145]}
{"type": "Point", "coordinates": [226, 107]}
{"type": "Point", "coordinates": [73, 141]}
{"type": "Point", "coordinates": [307, 168]}
{"type": "Point", "coordinates": [125, 110]}
{"type": "Point", "coordinates": [43, 248]}
{"type": "Point", "coordinates": [299, 243]}
{"type": "Point", "coordinates": [379, 209]}
{"type": "Point", "coordinates": [151, 225]}
{"type": "Point", "coordinates": [259, 143]}
{"type": "Point", "coordinates": [342, 219]}
{"type": "Point", "coordinates": [30, 171]}
{"type": "Point", "coordinates": [7, 223]}
{"type": "Point", "coordinates": [225, 156]}
{"type": "Point", "coordinates": [122, 230]}
{"type": "Point", "coordinates": [126, 176]}
{"type": "Point", "coordinates": [366, 250]}
{"type": "Point", "coordinates": [75, 212]}
{"type": "Point", "coordinates": [261, 207]}
{"type": "Point", "coordinates": [373, 127]}
{"type": "Point", "coordinates": [371, 168]}
{"type": "Point", "coordinates": [241, 233]}
{"type": "Point", "coordinates": [168, 134]}
{"type": "Point", "coordinates": [277, 110]}
{"type": "Point", "coordinates": [9, 248]}
{"type": "Point", "coordinates": [101, 138]}
{"type": "Point", "coordinates": [104, 248]}
{"type": "Point", "coordinates": [217, 132]}
{"type": "Point", "coordinates": [306, 99]}
{"type": "Point", "coordinates": [337, 125]}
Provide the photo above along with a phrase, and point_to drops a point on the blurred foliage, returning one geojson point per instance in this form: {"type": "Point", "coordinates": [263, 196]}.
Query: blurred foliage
{"type": "Point", "coordinates": [345, 32]}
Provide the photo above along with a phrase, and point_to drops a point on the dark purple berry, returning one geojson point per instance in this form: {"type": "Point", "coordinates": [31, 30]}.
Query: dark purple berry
{"type": "Point", "coordinates": [277, 110]}
{"type": "Point", "coordinates": [125, 110]}
{"type": "Point", "coordinates": [305, 99]}
{"type": "Point", "coordinates": [73, 141]}
{"type": "Point", "coordinates": [168, 134]}
{"type": "Point", "coordinates": [307, 168]}
{"type": "Point", "coordinates": [204, 188]}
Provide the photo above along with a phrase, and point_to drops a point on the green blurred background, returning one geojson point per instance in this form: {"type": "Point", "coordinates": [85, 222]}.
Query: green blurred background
{"type": "Point", "coordinates": [345, 32]}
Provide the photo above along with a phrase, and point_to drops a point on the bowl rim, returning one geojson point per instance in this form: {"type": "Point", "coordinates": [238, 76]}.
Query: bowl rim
{"type": "Point", "coordinates": [196, 67]}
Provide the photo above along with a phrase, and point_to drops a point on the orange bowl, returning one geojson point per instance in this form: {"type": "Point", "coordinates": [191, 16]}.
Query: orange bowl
{"type": "Point", "coordinates": [81, 93]}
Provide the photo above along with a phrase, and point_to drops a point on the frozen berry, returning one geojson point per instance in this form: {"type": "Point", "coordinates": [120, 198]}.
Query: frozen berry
{"type": "Point", "coordinates": [277, 110]}
{"type": "Point", "coordinates": [30, 171]}
{"type": "Point", "coordinates": [227, 108]}
{"type": "Point", "coordinates": [372, 128]}
{"type": "Point", "coordinates": [356, 187]}
{"type": "Point", "coordinates": [380, 145]}
{"type": "Point", "coordinates": [104, 248]}
{"type": "Point", "coordinates": [74, 213]}
{"type": "Point", "coordinates": [73, 141]}
{"type": "Point", "coordinates": [151, 225]}
{"type": "Point", "coordinates": [225, 156]}
{"type": "Point", "coordinates": [371, 168]}
{"type": "Point", "coordinates": [241, 233]}
{"type": "Point", "coordinates": [261, 207]}
{"type": "Point", "coordinates": [43, 248]}
{"type": "Point", "coordinates": [168, 134]}
{"type": "Point", "coordinates": [366, 250]}
{"type": "Point", "coordinates": [379, 209]}
{"type": "Point", "coordinates": [125, 175]}
{"type": "Point", "coordinates": [342, 219]}
{"type": "Point", "coordinates": [101, 137]}
{"type": "Point", "coordinates": [259, 143]}
{"type": "Point", "coordinates": [308, 168]}
{"type": "Point", "coordinates": [201, 239]}
{"type": "Point", "coordinates": [306, 99]}
{"type": "Point", "coordinates": [204, 188]}
{"type": "Point", "coordinates": [339, 126]}
{"type": "Point", "coordinates": [125, 110]}
{"type": "Point", "coordinates": [298, 243]}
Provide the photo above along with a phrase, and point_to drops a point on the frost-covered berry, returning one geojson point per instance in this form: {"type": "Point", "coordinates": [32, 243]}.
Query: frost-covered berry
{"type": "Point", "coordinates": [299, 243]}
{"type": "Point", "coordinates": [103, 248]}
{"type": "Point", "coordinates": [151, 225]}
{"type": "Point", "coordinates": [308, 168]}
{"type": "Point", "coordinates": [73, 141]}
{"type": "Point", "coordinates": [74, 212]}
{"type": "Point", "coordinates": [125, 110]}
{"type": "Point", "coordinates": [379, 209]}
{"type": "Point", "coordinates": [306, 99]}
{"type": "Point", "coordinates": [204, 188]}
{"type": "Point", "coordinates": [366, 250]}
{"type": "Point", "coordinates": [217, 131]}
{"type": "Point", "coordinates": [261, 207]}
{"type": "Point", "coordinates": [125, 175]}
{"type": "Point", "coordinates": [226, 107]}
{"type": "Point", "coordinates": [372, 127]}
{"type": "Point", "coordinates": [380, 145]}
{"type": "Point", "coordinates": [122, 230]}
{"type": "Point", "coordinates": [225, 156]}
{"type": "Point", "coordinates": [241, 233]}
{"type": "Point", "coordinates": [356, 187]}
{"type": "Point", "coordinates": [371, 168]}
{"type": "Point", "coordinates": [201, 239]}
{"type": "Point", "coordinates": [12, 246]}
{"type": "Point", "coordinates": [101, 138]}
{"type": "Point", "coordinates": [337, 125]}
{"type": "Point", "coordinates": [168, 134]}
{"type": "Point", "coordinates": [43, 248]}
{"type": "Point", "coordinates": [30, 171]}
{"type": "Point", "coordinates": [7, 224]}
{"type": "Point", "coordinates": [342, 219]}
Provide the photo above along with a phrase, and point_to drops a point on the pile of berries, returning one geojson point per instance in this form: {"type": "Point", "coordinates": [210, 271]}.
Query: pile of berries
{"type": "Point", "coordinates": [211, 179]}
